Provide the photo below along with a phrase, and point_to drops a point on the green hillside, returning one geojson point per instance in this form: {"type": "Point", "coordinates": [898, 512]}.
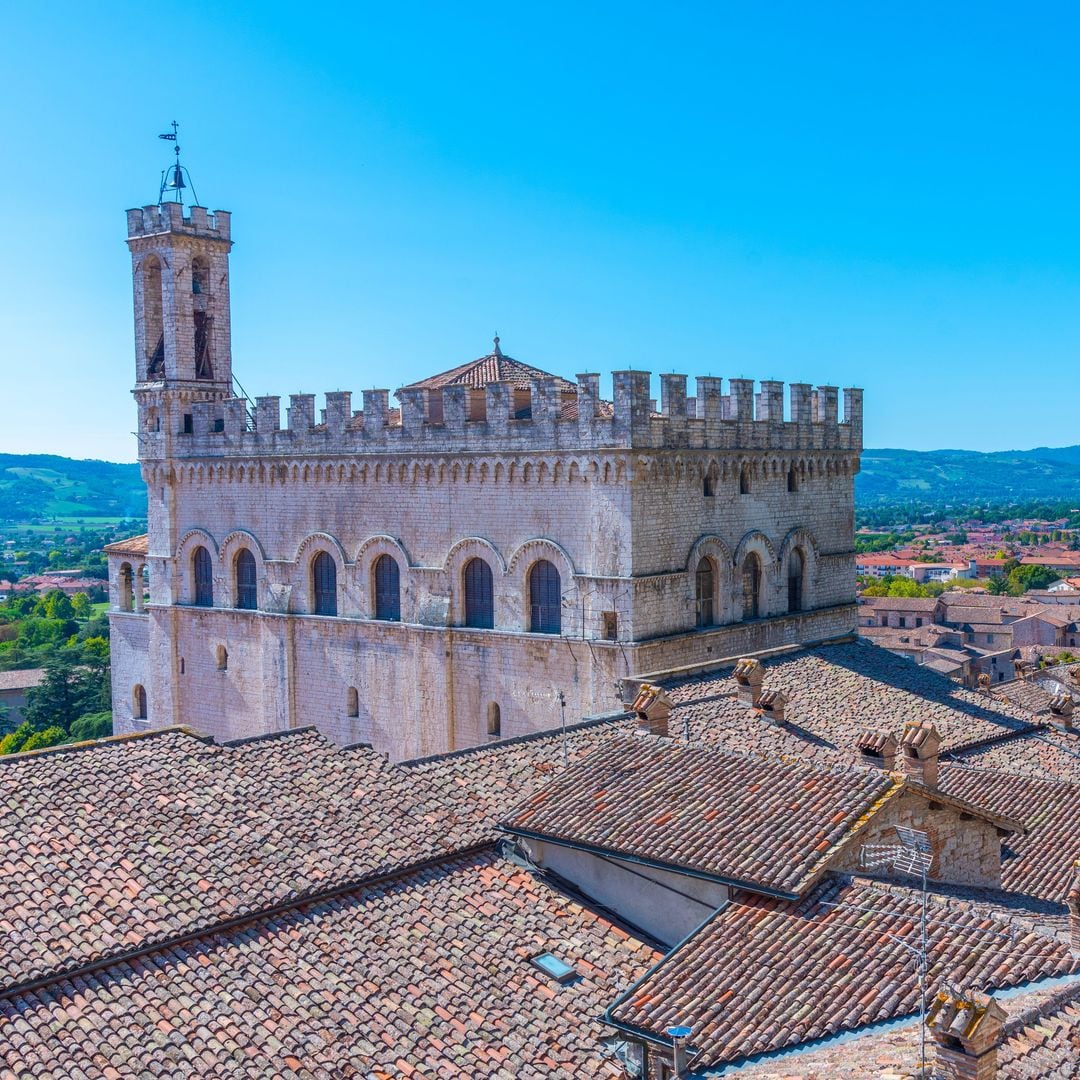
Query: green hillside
{"type": "Point", "coordinates": [951, 477]}
{"type": "Point", "coordinates": [44, 487]}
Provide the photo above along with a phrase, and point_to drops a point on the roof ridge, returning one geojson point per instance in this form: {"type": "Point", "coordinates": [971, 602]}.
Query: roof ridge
{"type": "Point", "coordinates": [107, 740]}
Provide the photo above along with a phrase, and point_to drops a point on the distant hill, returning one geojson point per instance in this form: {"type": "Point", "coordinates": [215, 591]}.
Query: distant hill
{"type": "Point", "coordinates": [944, 477]}
{"type": "Point", "coordinates": [42, 487]}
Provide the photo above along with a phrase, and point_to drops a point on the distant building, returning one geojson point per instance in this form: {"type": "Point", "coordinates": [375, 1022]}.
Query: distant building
{"type": "Point", "coordinates": [13, 689]}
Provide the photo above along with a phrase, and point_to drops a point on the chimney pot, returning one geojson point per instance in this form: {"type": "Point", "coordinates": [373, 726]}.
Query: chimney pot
{"type": "Point", "coordinates": [1061, 706]}
{"type": "Point", "coordinates": [652, 707]}
{"type": "Point", "coordinates": [771, 702]}
{"type": "Point", "coordinates": [919, 744]}
{"type": "Point", "coordinates": [967, 1029]}
{"type": "Point", "coordinates": [877, 749]}
{"type": "Point", "coordinates": [749, 674]}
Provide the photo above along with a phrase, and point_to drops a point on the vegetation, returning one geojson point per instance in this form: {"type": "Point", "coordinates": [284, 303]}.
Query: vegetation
{"type": "Point", "coordinates": [70, 641]}
{"type": "Point", "coordinates": [887, 514]}
{"type": "Point", "coordinates": [43, 487]}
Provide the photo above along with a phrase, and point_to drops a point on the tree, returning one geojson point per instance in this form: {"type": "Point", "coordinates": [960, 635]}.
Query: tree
{"type": "Point", "coordinates": [51, 736]}
{"type": "Point", "coordinates": [80, 606]}
{"type": "Point", "coordinates": [92, 726]}
{"type": "Point", "coordinates": [998, 586]}
{"type": "Point", "coordinates": [1022, 578]}
{"type": "Point", "coordinates": [12, 744]}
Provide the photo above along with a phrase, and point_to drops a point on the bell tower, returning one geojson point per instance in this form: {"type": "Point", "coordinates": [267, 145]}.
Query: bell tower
{"type": "Point", "coordinates": [180, 273]}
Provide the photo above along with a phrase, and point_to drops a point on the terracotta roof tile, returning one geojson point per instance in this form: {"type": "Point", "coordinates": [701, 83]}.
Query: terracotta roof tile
{"type": "Point", "coordinates": [764, 974]}
{"type": "Point", "coordinates": [25, 679]}
{"type": "Point", "coordinates": [138, 840]}
{"type": "Point", "coordinates": [426, 976]}
{"type": "Point", "coordinates": [134, 545]}
{"type": "Point", "coordinates": [1038, 862]}
{"type": "Point", "coordinates": [766, 824]}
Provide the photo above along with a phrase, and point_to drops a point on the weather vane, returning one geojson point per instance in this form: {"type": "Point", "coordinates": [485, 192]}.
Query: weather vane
{"type": "Point", "coordinates": [175, 178]}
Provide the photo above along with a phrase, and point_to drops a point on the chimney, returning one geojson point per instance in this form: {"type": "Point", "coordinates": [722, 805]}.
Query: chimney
{"type": "Point", "coordinates": [771, 703]}
{"type": "Point", "coordinates": [1073, 901]}
{"type": "Point", "coordinates": [877, 749]}
{"type": "Point", "coordinates": [919, 745]}
{"type": "Point", "coordinates": [749, 674]}
{"type": "Point", "coordinates": [653, 707]}
{"type": "Point", "coordinates": [984, 681]}
{"type": "Point", "coordinates": [966, 1029]}
{"type": "Point", "coordinates": [1061, 708]}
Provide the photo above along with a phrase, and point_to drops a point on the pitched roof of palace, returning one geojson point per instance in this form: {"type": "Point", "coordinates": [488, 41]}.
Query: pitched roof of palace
{"type": "Point", "coordinates": [764, 974]}
{"type": "Point", "coordinates": [496, 366]}
{"type": "Point", "coordinates": [133, 545]}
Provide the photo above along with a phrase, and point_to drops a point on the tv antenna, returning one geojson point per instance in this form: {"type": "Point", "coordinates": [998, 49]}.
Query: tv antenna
{"type": "Point", "coordinates": [176, 177]}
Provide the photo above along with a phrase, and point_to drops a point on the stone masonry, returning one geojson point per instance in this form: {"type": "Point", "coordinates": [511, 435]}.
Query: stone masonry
{"type": "Point", "coordinates": [713, 525]}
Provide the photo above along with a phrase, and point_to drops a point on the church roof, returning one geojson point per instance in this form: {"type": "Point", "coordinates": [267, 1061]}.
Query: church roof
{"type": "Point", "coordinates": [496, 366]}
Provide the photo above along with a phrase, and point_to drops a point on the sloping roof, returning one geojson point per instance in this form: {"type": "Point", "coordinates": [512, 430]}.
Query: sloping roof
{"type": "Point", "coordinates": [899, 603]}
{"type": "Point", "coordinates": [496, 366]}
{"type": "Point", "coordinates": [133, 545]}
{"type": "Point", "coordinates": [21, 680]}
{"type": "Point", "coordinates": [1045, 1046]}
{"type": "Point", "coordinates": [836, 690]}
{"type": "Point", "coordinates": [424, 976]}
{"type": "Point", "coordinates": [765, 824]}
{"type": "Point", "coordinates": [1049, 753]}
{"type": "Point", "coordinates": [149, 837]}
{"type": "Point", "coordinates": [1039, 861]}
{"type": "Point", "coordinates": [763, 974]}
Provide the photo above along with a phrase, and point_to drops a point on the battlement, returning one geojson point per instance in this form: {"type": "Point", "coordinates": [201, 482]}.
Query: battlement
{"type": "Point", "coordinates": [501, 417]}
{"type": "Point", "coordinates": [170, 217]}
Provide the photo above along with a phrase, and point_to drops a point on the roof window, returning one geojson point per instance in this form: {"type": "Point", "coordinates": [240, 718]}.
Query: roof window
{"type": "Point", "coordinates": [551, 965]}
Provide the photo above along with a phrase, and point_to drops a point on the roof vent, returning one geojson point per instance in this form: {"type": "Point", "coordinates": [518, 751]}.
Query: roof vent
{"type": "Point", "coordinates": [1061, 706]}
{"type": "Point", "coordinates": [652, 707]}
{"type": "Point", "coordinates": [749, 674]}
{"type": "Point", "coordinates": [919, 745]}
{"type": "Point", "coordinates": [771, 702]}
{"type": "Point", "coordinates": [877, 749]}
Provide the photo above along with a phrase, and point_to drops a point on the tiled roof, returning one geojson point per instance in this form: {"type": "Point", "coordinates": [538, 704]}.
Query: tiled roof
{"type": "Point", "coordinates": [766, 824]}
{"type": "Point", "coordinates": [424, 976]}
{"type": "Point", "coordinates": [764, 974]}
{"type": "Point", "coordinates": [899, 603]}
{"type": "Point", "coordinates": [1047, 1045]}
{"type": "Point", "coordinates": [482, 785]}
{"type": "Point", "coordinates": [134, 545]}
{"type": "Point", "coordinates": [1039, 861]}
{"type": "Point", "coordinates": [893, 1052]}
{"type": "Point", "coordinates": [133, 841]}
{"type": "Point", "coordinates": [835, 691]}
{"type": "Point", "coordinates": [494, 367]}
{"type": "Point", "coordinates": [21, 680]}
{"type": "Point", "coordinates": [1049, 753]}
{"type": "Point", "coordinates": [1029, 695]}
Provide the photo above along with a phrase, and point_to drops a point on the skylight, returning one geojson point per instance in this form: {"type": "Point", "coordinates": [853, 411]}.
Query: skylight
{"type": "Point", "coordinates": [551, 965]}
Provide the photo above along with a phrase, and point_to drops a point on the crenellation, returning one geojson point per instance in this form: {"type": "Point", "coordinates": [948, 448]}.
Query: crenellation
{"type": "Point", "coordinates": [673, 396]}
{"type": "Point", "coordinates": [800, 403]}
{"type": "Point", "coordinates": [709, 405]}
{"type": "Point", "coordinates": [301, 413]}
{"type": "Point", "coordinates": [338, 411]}
{"type": "Point", "coordinates": [771, 402]}
{"type": "Point", "coordinates": [267, 414]}
{"type": "Point", "coordinates": [169, 217]}
{"type": "Point", "coordinates": [742, 399]}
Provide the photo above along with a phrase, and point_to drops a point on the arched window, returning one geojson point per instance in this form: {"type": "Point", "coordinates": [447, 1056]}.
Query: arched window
{"type": "Point", "coordinates": [792, 480]}
{"type": "Point", "coordinates": [494, 720]}
{"type": "Point", "coordinates": [796, 567]}
{"type": "Point", "coordinates": [203, 571]}
{"type": "Point", "coordinates": [200, 287]}
{"type": "Point", "coordinates": [352, 702]}
{"type": "Point", "coordinates": [479, 595]}
{"type": "Point", "coordinates": [222, 658]}
{"type": "Point", "coordinates": [704, 592]}
{"type": "Point", "coordinates": [153, 326]}
{"type": "Point", "coordinates": [324, 584]}
{"type": "Point", "coordinates": [126, 584]}
{"type": "Point", "coordinates": [247, 589]}
{"type": "Point", "coordinates": [751, 587]}
{"type": "Point", "coordinates": [744, 480]}
{"type": "Point", "coordinates": [387, 589]}
{"type": "Point", "coordinates": [138, 702]}
{"type": "Point", "coordinates": [709, 484]}
{"type": "Point", "coordinates": [545, 598]}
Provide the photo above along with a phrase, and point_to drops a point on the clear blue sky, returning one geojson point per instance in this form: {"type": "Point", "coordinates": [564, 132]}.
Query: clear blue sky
{"type": "Point", "coordinates": [868, 194]}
